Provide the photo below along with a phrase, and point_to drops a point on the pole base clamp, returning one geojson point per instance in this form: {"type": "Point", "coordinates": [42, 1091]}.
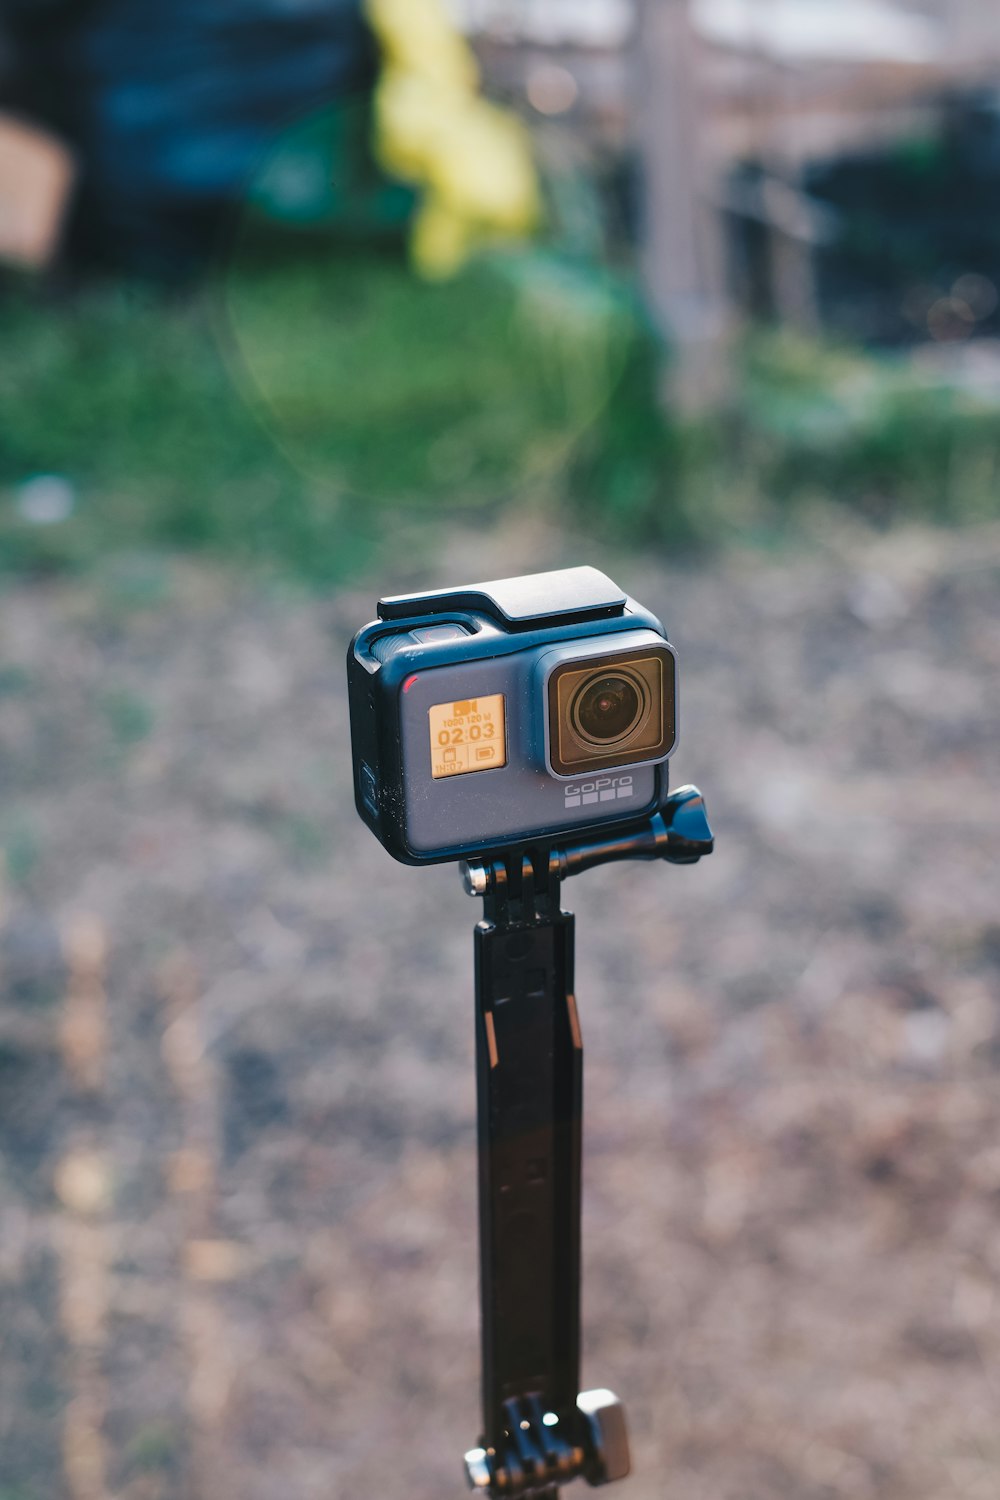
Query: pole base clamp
{"type": "Point", "coordinates": [542, 1449]}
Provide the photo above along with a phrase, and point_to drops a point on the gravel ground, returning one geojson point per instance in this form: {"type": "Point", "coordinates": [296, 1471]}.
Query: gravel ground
{"type": "Point", "coordinates": [237, 1232]}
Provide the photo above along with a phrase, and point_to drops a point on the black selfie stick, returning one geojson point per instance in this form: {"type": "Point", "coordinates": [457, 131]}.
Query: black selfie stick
{"type": "Point", "coordinates": [539, 1431]}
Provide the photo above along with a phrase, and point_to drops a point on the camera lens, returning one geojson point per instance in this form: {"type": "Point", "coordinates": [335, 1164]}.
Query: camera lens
{"type": "Point", "coordinates": [607, 708]}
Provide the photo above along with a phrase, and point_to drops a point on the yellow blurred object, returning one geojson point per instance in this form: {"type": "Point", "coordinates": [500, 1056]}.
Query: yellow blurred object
{"type": "Point", "coordinates": [440, 241]}
{"type": "Point", "coordinates": [471, 160]}
{"type": "Point", "coordinates": [416, 36]}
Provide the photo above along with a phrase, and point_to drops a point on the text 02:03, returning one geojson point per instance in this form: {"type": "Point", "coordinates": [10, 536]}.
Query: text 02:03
{"type": "Point", "coordinates": [457, 736]}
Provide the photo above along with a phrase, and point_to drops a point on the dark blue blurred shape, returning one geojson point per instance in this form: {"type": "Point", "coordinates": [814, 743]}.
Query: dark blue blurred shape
{"type": "Point", "coordinates": [913, 221]}
{"type": "Point", "coordinates": [172, 104]}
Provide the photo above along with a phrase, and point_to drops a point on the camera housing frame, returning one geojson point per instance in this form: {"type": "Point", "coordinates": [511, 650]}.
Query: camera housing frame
{"type": "Point", "coordinates": [507, 640]}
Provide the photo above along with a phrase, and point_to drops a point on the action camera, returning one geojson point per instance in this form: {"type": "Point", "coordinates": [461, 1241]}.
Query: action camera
{"type": "Point", "coordinates": [487, 716]}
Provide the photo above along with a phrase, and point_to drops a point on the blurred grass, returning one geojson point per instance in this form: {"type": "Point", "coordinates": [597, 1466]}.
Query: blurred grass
{"type": "Point", "coordinates": [127, 396]}
{"type": "Point", "coordinates": [297, 413]}
{"type": "Point", "coordinates": [453, 394]}
{"type": "Point", "coordinates": [808, 423]}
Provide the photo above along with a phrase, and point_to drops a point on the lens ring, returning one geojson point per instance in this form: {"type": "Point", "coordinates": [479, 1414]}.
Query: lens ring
{"type": "Point", "coordinates": [608, 707]}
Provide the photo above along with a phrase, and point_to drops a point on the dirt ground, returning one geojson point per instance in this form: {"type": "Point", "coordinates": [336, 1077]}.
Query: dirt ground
{"type": "Point", "coordinates": [237, 1211]}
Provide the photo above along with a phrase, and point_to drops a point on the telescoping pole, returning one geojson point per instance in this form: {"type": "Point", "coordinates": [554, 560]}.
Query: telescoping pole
{"type": "Point", "coordinates": [539, 1431]}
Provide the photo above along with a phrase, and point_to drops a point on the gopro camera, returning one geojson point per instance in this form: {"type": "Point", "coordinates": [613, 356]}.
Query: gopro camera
{"type": "Point", "coordinates": [497, 714]}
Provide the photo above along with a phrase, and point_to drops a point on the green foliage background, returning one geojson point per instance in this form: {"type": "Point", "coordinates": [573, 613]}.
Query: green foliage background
{"type": "Point", "coordinates": [301, 413]}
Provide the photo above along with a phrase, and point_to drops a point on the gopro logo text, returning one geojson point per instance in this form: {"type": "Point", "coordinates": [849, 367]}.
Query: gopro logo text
{"type": "Point", "coordinates": [601, 789]}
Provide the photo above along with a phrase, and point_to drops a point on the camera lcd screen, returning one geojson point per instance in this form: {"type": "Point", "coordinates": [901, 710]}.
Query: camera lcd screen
{"type": "Point", "coordinates": [469, 735]}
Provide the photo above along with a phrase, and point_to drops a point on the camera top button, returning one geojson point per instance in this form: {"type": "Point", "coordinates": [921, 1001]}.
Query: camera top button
{"type": "Point", "coordinates": [428, 633]}
{"type": "Point", "coordinates": [387, 646]}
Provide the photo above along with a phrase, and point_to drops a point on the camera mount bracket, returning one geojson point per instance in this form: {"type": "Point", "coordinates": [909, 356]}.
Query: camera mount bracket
{"type": "Point", "coordinates": [538, 1430]}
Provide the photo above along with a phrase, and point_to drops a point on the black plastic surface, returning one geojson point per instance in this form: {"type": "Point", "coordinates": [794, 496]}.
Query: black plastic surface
{"type": "Point", "coordinates": [571, 594]}
{"type": "Point", "coordinates": [530, 1064]}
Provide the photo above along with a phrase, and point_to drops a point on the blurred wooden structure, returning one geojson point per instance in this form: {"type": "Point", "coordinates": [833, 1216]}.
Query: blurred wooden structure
{"type": "Point", "coordinates": [683, 249]}
{"type": "Point", "coordinates": [702, 86]}
{"type": "Point", "coordinates": [779, 83]}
